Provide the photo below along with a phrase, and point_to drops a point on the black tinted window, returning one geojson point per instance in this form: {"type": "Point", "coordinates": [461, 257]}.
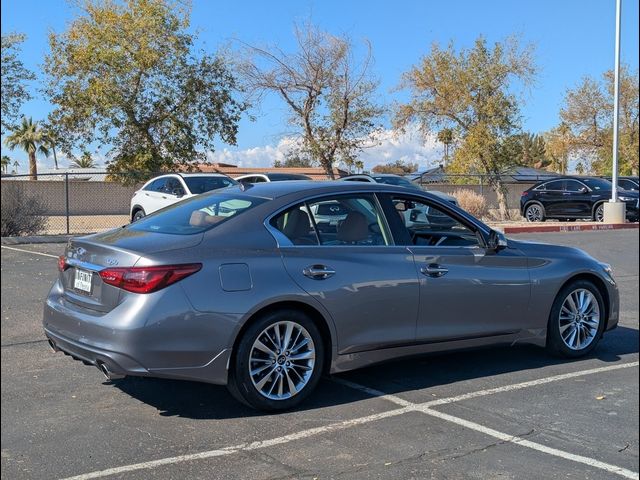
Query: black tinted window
{"type": "Point", "coordinates": [157, 185]}
{"type": "Point", "coordinates": [196, 214]}
{"type": "Point", "coordinates": [556, 185]}
{"type": "Point", "coordinates": [172, 184]}
{"type": "Point", "coordinates": [574, 186]}
{"type": "Point", "coordinates": [206, 184]}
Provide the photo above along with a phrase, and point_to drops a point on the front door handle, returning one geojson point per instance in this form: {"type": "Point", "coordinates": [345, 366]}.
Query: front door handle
{"type": "Point", "coordinates": [318, 272]}
{"type": "Point", "coordinates": [434, 270]}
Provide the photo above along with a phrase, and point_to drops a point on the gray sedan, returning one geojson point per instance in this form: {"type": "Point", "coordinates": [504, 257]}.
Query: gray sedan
{"type": "Point", "coordinates": [258, 288]}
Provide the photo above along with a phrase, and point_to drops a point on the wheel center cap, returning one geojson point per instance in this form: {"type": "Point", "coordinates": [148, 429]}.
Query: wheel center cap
{"type": "Point", "coordinates": [281, 359]}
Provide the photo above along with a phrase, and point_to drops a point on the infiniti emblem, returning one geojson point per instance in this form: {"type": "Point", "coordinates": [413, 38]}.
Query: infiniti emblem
{"type": "Point", "coordinates": [111, 261]}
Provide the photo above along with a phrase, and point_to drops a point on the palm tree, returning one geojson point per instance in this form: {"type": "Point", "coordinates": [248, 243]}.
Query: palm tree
{"type": "Point", "coordinates": [31, 139]}
{"type": "Point", "coordinates": [85, 161]}
{"type": "Point", "coordinates": [445, 136]}
{"type": "Point", "coordinates": [359, 164]}
{"type": "Point", "coordinates": [6, 161]}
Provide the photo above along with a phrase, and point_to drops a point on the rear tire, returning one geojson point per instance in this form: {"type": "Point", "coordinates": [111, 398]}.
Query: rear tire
{"type": "Point", "coordinates": [587, 320]}
{"type": "Point", "coordinates": [534, 212]}
{"type": "Point", "coordinates": [278, 361]}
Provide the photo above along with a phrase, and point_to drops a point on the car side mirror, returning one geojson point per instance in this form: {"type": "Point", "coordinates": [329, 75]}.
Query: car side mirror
{"type": "Point", "coordinates": [178, 192]}
{"type": "Point", "coordinates": [497, 241]}
{"type": "Point", "coordinates": [584, 190]}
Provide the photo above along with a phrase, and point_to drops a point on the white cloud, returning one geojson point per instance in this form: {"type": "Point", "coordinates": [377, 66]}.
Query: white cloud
{"type": "Point", "coordinates": [386, 146]}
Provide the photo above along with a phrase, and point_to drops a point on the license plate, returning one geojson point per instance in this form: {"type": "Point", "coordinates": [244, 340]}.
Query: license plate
{"type": "Point", "coordinates": [83, 280]}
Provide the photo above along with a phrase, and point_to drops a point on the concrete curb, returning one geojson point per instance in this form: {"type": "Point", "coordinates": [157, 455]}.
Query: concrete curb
{"type": "Point", "coordinates": [36, 239]}
{"type": "Point", "coordinates": [567, 228]}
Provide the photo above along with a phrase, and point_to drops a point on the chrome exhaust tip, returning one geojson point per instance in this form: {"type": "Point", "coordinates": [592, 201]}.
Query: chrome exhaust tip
{"type": "Point", "coordinates": [108, 374]}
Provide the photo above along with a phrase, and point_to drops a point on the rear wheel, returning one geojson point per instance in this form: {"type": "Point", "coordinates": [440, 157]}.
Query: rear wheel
{"type": "Point", "coordinates": [577, 320]}
{"type": "Point", "coordinates": [278, 361]}
{"type": "Point", "coordinates": [534, 213]}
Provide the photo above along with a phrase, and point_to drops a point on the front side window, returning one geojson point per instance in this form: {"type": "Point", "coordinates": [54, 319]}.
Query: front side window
{"type": "Point", "coordinates": [555, 186]}
{"type": "Point", "coordinates": [574, 186]}
{"type": "Point", "coordinates": [428, 225]}
{"type": "Point", "coordinates": [196, 214]}
{"type": "Point", "coordinates": [334, 221]}
{"type": "Point", "coordinates": [157, 185]}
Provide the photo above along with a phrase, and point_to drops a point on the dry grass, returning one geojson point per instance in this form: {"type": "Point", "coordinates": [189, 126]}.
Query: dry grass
{"type": "Point", "coordinates": [472, 202]}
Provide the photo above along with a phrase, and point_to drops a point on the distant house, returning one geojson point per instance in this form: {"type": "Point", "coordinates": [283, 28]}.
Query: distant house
{"type": "Point", "coordinates": [76, 174]}
{"type": "Point", "coordinates": [432, 175]}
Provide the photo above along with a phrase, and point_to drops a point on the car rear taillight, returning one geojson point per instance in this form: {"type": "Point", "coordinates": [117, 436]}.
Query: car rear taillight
{"type": "Point", "coordinates": [62, 263]}
{"type": "Point", "coordinates": [147, 279]}
{"type": "Point", "coordinates": [525, 193]}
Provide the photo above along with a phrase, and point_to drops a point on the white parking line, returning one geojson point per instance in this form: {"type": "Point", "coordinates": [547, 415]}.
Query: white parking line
{"type": "Point", "coordinates": [29, 251]}
{"type": "Point", "coordinates": [406, 407]}
{"type": "Point", "coordinates": [427, 408]}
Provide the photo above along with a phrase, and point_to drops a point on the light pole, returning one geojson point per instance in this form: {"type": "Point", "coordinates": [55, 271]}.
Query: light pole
{"type": "Point", "coordinates": [614, 211]}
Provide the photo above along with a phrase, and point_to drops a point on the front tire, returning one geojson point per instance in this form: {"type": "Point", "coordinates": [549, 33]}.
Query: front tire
{"type": "Point", "coordinates": [138, 215]}
{"type": "Point", "coordinates": [598, 213]}
{"type": "Point", "coordinates": [576, 321]}
{"type": "Point", "coordinates": [278, 362]}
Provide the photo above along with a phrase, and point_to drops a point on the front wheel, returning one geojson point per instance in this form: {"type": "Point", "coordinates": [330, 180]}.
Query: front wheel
{"type": "Point", "coordinates": [598, 214]}
{"type": "Point", "coordinates": [278, 362]}
{"type": "Point", "coordinates": [138, 215]}
{"type": "Point", "coordinates": [576, 321]}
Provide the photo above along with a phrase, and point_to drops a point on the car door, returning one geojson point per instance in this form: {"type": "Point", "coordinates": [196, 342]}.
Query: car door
{"type": "Point", "coordinates": [367, 284]}
{"type": "Point", "coordinates": [466, 290]}
{"type": "Point", "coordinates": [553, 198]}
{"type": "Point", "coordinates": [577, 199]}
{"type": "Point", "coordinates": [153, 194]}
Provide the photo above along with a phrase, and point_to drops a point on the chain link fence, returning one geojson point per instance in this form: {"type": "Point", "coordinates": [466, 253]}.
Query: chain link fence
{"type": "Point", "coordinates": [79, 202]}
{"type": "Point", "coordinates": [64, 203]}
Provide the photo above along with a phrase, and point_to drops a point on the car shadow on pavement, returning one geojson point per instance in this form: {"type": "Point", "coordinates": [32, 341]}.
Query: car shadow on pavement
{"type": "Point", "coordinates": [204, 401]}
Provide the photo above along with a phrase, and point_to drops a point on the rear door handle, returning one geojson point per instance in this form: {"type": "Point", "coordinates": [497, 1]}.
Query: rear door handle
{"type": "Point", "coordinates": [318, 272]}
{"type": "Point", "coordinates": [434, 270]}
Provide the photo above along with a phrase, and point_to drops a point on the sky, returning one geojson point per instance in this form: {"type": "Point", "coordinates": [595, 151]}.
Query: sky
{"type": "Point", "coordinates": [573, 39]}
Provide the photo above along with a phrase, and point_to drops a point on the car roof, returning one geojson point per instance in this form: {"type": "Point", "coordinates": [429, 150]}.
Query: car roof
{"type": "Point", "coordinates": [273, 190]}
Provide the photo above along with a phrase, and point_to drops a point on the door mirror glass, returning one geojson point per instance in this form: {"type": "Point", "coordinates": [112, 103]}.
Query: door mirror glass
{"type": "Point", "coordinates": [497, 241]}
{"type": "Point", "coordinates": [178, 192]}
{"type": "Point", "coordinates": [584, 190]}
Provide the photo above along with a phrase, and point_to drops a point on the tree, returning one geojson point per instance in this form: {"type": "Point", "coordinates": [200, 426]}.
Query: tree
{"type": "Point", "coordinates": [30, 138]}
{"type": "Point", "coordinates": [359, 164]}
{"type": "Point", "coordinates": [6, 161]}
{"type": "Point", "coordinates": [329, 96]}
{"type": "Point", "coordinates": [399, 167]}
{"type": "Point", "coordinates": [85, 161]}
{"type": "Point", "coordinates": [14, 76]}
{"type": "Point", "coordinates": [126, 74]}
{"type": "Point", "coordinates": [558, 147]}
{"type": "Point", "coordinates": [293, 159]}
{"type": "Point", "coordinates": [472, 92]}
{"type": "Point", "coordinates": [588, 114]}
{"type": "Point", "coordinates": [445, 136]}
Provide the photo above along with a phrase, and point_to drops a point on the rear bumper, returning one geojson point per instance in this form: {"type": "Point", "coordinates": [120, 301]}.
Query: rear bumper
{"type": "Point", "coordinates": [158, 336]}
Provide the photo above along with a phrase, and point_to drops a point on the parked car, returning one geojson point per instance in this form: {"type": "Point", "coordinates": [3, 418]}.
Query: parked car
{"type": "Point", "coordinates": [165, 190]}
{"type": "Point", "coordinates": [570, 198]}
{"type": "Point", "coordinates": [412, 214]}
{"type": "Point", "coordinates": [271, 177]}
{"type": "Point", "coordinates": [240, 287]}
{"type": "Point", "coordinates": [627, 183]}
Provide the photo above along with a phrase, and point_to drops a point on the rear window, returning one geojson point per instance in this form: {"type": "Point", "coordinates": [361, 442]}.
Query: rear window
{"type": "Point", "coordinates": [206, 184]}
{"type": "Point", "coordinates": [196, 214]}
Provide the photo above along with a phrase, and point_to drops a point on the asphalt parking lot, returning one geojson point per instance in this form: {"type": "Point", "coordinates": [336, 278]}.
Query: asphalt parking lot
{"type": "Point", "coordinates": [499, 413]}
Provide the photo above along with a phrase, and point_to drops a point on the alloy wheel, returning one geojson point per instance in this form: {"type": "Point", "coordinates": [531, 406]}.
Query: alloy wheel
{"type": "Point", "coordinates": [579, 319]}
{"type": "Point", "coordinates": [599, 216]}
{"type": "Point", "coordinates": [281, 360]}
{"type": "Point", "coordinates": [534, 213]}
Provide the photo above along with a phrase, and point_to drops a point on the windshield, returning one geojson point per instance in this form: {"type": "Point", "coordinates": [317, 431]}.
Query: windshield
{"type": "Point", "coordinates": [399, 181]}
{"type": "Point", "coordinates": [196, 214]}
{"type": "Point", "coordinates": [206, 184]}
{"type": "Point", "coordinates": [597, 183]}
